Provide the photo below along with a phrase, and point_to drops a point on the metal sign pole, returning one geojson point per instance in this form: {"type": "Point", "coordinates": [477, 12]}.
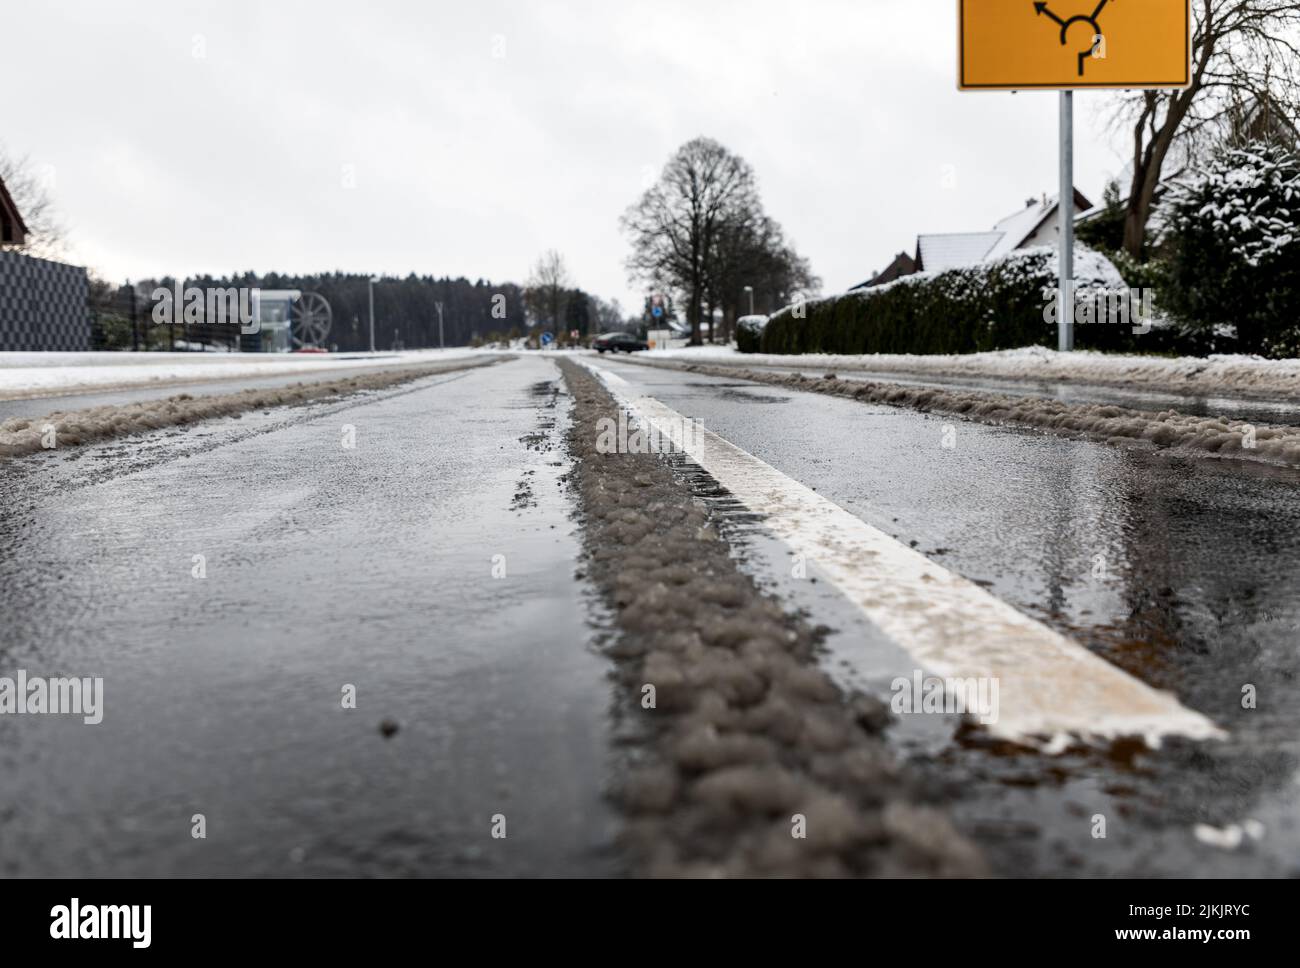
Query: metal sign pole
{"type": "Point", "coordinates": [1065, 206]}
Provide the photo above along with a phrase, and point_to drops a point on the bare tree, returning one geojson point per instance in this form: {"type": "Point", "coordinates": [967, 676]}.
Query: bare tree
{"type": "Point", "coordinates": [1249, 120]}
{"type": "Point", "coordinates": [739, 247]}
{"type": "Point", "coordinates": [546, 294]}
{"type": "Point", "coordinates": [607, 316]}
{"type": "Point", "coordinates": [752, 251]}
{"type": "Point", "coordinates": [1240, 49]}
{"type": "Point", "coordinates": [29, 189]}
{"type": "Point", "coordinates": [674, 225]}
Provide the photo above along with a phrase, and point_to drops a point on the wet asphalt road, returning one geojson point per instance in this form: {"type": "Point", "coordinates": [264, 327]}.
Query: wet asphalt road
{"type": "Point", "coordinates": [1184, 572]}
{"type": "Point", "coordinates": [325, 567]}
{"type": "Point", "coordinates": [373, 567]}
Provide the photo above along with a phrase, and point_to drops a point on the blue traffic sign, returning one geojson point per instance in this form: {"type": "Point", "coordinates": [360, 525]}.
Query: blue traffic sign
{"type": "Point", "coordinates": [547, 339]}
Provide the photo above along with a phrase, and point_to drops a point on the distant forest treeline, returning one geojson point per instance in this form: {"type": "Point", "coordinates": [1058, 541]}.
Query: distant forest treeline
{"type": "Point", "coordinates": [406, 311]}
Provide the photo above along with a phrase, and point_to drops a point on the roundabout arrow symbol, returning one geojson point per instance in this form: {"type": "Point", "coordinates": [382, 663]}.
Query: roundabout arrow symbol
{"type": "Point", "coordinates": [1042, 9]}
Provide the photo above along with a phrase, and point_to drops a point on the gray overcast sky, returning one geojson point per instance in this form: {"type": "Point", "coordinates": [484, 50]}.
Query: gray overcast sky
{"type": "Point", "coordinates": [220, 136]}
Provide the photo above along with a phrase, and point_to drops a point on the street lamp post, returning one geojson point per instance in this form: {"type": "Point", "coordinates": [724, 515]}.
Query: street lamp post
{"type": "Point", "coordinates": [750, 290]}
{"type": "Point", "coordinates": [373, 280]}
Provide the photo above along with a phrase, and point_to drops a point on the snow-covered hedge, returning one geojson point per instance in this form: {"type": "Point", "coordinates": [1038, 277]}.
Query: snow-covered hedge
{"type": "Point", "coordinates": [990, 306]}
{"type": "Point", "coordinates": [1230, 234]}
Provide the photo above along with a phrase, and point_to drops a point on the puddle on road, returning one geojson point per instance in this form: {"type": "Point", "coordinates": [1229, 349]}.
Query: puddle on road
{"type": "Point", "coordinates": [747, 392]}
{"type": "Point", "coordinates": [754, 397]}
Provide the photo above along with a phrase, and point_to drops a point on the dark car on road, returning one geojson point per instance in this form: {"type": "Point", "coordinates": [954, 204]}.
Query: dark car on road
{"type": "Point", "coordinates": [613, 342]}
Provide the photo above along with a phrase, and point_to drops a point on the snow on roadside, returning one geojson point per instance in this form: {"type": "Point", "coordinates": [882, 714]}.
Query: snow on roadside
{"type": "Point", "coordinates": [1221, 375]}
{"type": "Point", "coordinates": [25, 374]}
{"type": "Point", "coordinates": [20, 436]}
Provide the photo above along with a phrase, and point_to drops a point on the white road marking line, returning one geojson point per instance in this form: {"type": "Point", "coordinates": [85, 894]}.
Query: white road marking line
{"type": "Point", "coordinates": [611, 378]}
{"type": "Point", "coordinates": [1051, 689]}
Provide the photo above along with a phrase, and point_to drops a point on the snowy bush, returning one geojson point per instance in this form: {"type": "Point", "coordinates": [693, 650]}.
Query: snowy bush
{"type": "Point", "coordinates": [988, 306]}
{"type": "Point", "coordinates": [749, 333]}
{"type": "Point", "coordinates": [1230, 232]}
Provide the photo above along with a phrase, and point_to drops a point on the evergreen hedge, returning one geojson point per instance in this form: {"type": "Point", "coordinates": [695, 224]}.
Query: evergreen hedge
{"type": "Point", "coordinates": [971, 309]}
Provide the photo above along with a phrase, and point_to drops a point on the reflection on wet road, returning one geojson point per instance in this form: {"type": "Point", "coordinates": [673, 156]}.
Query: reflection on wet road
{"type": "Point", "coordinates": [1184, 572]}
{"type": "Point", "coordinates": [325, 567]}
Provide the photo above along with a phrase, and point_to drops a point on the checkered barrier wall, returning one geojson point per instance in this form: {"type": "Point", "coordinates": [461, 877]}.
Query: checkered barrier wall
{"type": "Point", "coordinates": [42, 304]}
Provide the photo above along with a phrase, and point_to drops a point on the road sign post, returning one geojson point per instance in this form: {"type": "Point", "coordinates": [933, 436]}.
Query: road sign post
{"type": "Point", "coordinates": [1065, 277]}
{"type": "Point", "coordinates": [1068, 45]}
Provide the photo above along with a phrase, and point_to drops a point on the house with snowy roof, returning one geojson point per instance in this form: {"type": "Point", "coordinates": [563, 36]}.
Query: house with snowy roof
{"type": "Point", "coordinates": [1038, 223]}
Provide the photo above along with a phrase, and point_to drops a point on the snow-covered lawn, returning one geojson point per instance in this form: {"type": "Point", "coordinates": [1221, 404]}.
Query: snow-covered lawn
{"type": "Point", "coordinates": [1230, 375]}
{"type": "Point", "coordinates": [38, 374]}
